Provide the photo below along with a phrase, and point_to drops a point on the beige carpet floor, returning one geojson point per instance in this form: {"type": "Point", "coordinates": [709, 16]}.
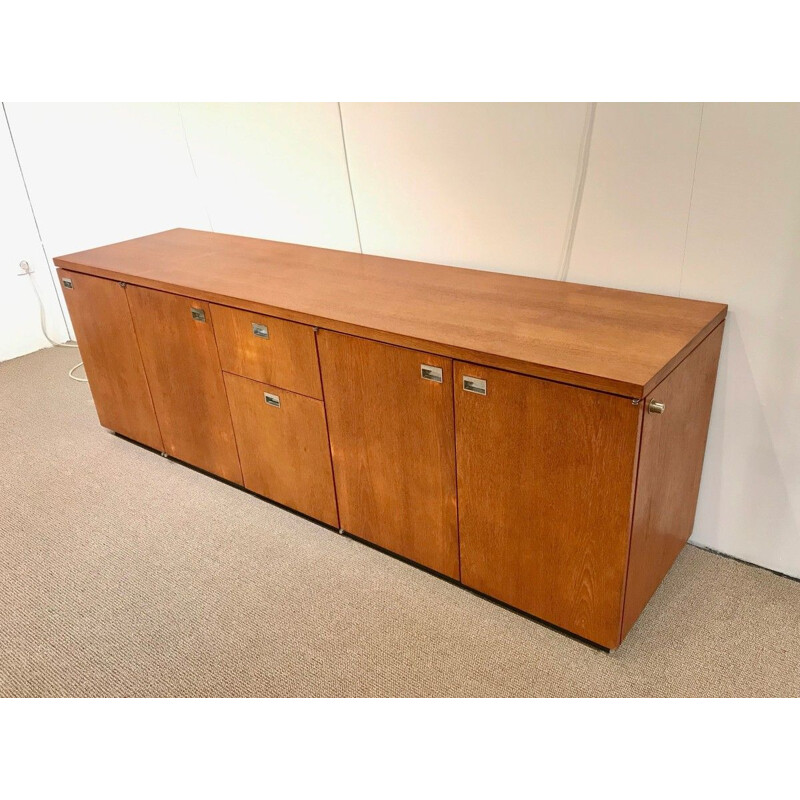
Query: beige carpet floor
{"type": "Point", "coordinates": [125, 574]}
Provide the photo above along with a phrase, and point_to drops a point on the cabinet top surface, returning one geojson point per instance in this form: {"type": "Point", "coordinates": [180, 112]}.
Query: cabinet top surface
{"type": "Point", "coordinates": [608, 339]}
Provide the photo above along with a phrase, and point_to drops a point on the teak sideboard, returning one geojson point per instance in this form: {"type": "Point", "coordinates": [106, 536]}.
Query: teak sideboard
{"type": "Point", "coordinates": [540, 442]}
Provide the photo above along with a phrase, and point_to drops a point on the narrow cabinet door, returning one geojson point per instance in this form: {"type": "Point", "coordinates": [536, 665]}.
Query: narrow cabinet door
{"type": "Point", "coordinates": [390, 416]}
{"type": "Point", "coordinates": [102, 320]}
{"type": "Point", "coordinates": [283, 446]}
{"type": "Point", "coordinates": [545, 484]}
{"type": "Point", "coordinates": [176, 338]}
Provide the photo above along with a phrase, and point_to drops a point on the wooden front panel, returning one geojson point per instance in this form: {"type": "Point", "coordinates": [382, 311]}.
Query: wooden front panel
{"type": "Point", "coordinates": [670, 465]}
{"type": "Point", "coordinates": [545, 482]}
{"type": "Point", "coordinates": [288, 358]}
{"type": "Point", "coordinates": [182, 366]}
{"type": "Point", "coordinates": [392, 444]}
{"type": "Point", "coordinates": [283, 450]}
{"type": "Point", "coordinates": [102, 321]}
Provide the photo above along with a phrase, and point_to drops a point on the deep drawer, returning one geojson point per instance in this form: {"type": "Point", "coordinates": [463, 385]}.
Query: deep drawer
{"type": "Point", "coordinates": [283, 446]}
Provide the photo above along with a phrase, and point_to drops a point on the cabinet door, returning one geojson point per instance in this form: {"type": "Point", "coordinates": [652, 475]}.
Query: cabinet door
{"type": "Point", "coordinates": [176, 338]}
{"type": "Point", "coordinates": [102, 320]}
{"type": "Point", "coordinates": [282, 439]}
{"type": "Point", "coordinates": [545, 483]}
{"type": "Point", "coordinates": [390, 415]}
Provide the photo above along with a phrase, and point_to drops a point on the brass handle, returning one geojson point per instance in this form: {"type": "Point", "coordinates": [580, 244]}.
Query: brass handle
{"type": "Point", "coordinates": [654, 407]}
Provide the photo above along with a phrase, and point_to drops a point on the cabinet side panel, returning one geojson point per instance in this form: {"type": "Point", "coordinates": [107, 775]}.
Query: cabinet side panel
{"type": "Point", "coordinates": [180, 358]}
{"type": "Point", "coordinates": [545, 484]}
{"type": "Point", "coordinates": [670, 464]}
{"type": "Point", "coordinates": [392, 443]}
{"type": "Point", "coordinates": [110, 353]}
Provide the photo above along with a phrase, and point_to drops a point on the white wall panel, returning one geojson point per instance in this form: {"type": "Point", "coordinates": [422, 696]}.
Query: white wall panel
{"type": "Point", "coordinates": [273, 170]}
{"type": "Point", "coordinates": [103, 172]}
{"type": "Point", "coordinates": [744, 249]}
{"type": "Point", "coordinates": [486, 185]}
{"type": "Point", "coordinates": [20, 327]}
{"type": "Point", "coordinates": [632, 224]}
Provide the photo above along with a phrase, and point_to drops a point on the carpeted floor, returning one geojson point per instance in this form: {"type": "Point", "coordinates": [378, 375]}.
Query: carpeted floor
{"type": "Point", "coordinates": [125, 574]}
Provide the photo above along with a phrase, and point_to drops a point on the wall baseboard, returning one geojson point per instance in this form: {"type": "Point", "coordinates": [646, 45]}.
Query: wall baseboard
{"type": "Point", "coordinates": [743, 561]}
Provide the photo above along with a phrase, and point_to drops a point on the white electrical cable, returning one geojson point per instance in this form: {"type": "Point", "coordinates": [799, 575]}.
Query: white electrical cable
{"type": "Point", "coordinates": [70, 373]}
{"type": "Point", "coordinates": [43, 322]}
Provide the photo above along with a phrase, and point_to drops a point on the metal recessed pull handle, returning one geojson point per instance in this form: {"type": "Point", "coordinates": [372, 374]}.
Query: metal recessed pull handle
{"type": "Point", "coordinates": [655, 407]}
{"type": "Point", "coordinates": [272, 400]}
{"type": "Point", "coordinates": [198, 314]}
{"type": "Point", "coordinates": [262, 331]}
{"type": "Point", "coordinates": [66, 283]}
{"type": "Point", "coordinates": [474, 385]}
{"type": "Point", "coordinates": [430, 373]}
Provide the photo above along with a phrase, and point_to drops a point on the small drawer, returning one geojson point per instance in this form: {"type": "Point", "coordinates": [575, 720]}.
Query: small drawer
{"type": "Point", "coordinates": [267, 349]}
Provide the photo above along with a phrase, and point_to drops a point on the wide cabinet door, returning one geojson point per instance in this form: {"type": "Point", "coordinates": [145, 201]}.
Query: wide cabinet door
{"type": "Point", "coordinates": [545, 485]}
{"type": "Point", "coordinates": [390, 418]}
{"type": "Point", "coordinates": [179, 352]}
{"type": "Point", "coordinates": [102, 320]}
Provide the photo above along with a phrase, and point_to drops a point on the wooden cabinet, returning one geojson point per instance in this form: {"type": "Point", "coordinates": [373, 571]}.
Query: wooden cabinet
{"type": "Point", "coordinates": [177, 343]}
{"type": "Point", "coordinates": [283, 446]}
{"type": "Point", "coordinates": [541, 442]}
{"type": "Point", "coordinates": [102, 321]}
{"type": "Point", "coordinates": [545, 488]}
{"type": "Point", "coordinates": [390, 412]}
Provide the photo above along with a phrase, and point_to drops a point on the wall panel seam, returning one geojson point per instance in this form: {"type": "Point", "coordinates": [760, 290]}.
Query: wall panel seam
{"type": "Point", "coordinates": [198, 182]}
{"type": "Point", "coordinates": [577, 195]}
{"type": "Point", "coordinates": [349, 179]}
{"type": "Point", "coordinates": [691, 198]}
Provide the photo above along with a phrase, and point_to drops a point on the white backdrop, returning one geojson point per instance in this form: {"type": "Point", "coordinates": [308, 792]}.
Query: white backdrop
{"type": "Point", "coordinates": [694, 200]}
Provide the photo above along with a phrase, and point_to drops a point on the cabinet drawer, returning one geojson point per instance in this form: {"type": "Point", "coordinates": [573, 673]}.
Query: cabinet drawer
{"type": "Point", "coordinates": [267, 349]}
{"type": "Point", "coordinates": [283, 446]}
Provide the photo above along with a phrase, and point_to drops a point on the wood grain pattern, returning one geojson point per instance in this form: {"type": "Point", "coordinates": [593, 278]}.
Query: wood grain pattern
{"type": "Point", "coordinates": [180, 359]}
{"type": "Point", "coordinates": [391, 436]}
{"type": "Point", "coordinates": [288, 358]}
{"type": "Point", "coordinates": [617, 341]}
{"type": "Point", "coordinates": [283, 451]}
{"type": "Point", "coordinates": [107, 340]}
{"type": "Point", "coordinates": [670, 465]}
{"type": "Point", "coordinates": [545, 487]}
